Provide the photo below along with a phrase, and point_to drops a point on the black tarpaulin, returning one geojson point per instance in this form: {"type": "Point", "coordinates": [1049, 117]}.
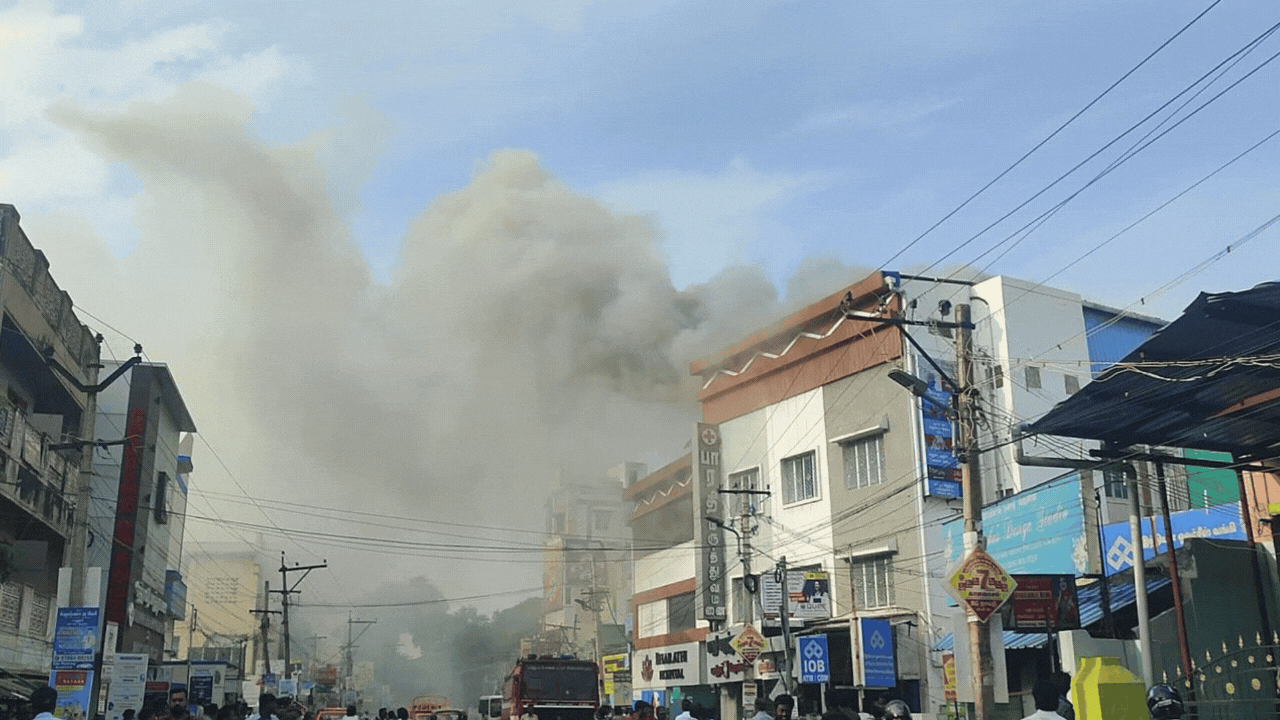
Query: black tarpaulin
{"type": "Point", "coordinates": [1209, 381]}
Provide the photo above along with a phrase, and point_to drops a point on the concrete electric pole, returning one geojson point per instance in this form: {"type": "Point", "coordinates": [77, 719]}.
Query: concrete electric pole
{"type": "Point", "coordinates": [285, 591]}
{"type": "Point", "coordinates": [980, 660]}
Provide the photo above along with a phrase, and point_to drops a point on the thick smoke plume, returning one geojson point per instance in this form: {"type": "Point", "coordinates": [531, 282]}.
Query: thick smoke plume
{"type": "Point", "coordinates": [528, 332]}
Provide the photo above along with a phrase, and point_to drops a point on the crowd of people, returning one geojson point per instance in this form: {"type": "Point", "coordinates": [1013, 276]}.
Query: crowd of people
{"type": "Point", "coordinates": [1050, 695]}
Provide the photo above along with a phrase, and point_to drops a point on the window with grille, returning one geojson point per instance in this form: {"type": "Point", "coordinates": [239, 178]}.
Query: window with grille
{"type": "Point", "coordinates": [1071, 384]}
{"type": "Point", "coordinates": [863, 461]}
{"type": "Point", "coordinates": [799, 481]}
{"type": "Point", "coordinates": [872, 581]}
{"type": "Point", "coordinates": [10, 606]}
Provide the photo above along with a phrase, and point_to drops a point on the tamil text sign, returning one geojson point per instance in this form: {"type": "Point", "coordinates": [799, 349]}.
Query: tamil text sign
{"type": "Point", "coordinates": [981, 584]}
{"type": "Point", "coordinates": [1037, 531]}
{"type": "Point", "coordinates": [875, 653]}
{"type": "Point", "coordinates": [1043, 603]}
{"type": "Point", "coordinates": [708, 516]}
{"type": "Point", "coordinates": [1220, 522]}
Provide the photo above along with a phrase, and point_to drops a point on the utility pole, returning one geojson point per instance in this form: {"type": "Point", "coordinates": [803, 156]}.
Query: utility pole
{"type": "Point", "coordinates": [781, 577]}
{"type": "Point", "coordinates": [265, 626]}
{"type": "Point", "coordinates": [1139, 576]}
{"type": "Point", "coordinates": [1184, 650]}
{"type": "Point", "coordinates": [77, 550]}
{"type": "Point", "coordinates": [982, 667]}
{"type": "Point", "coordinates": [80, 528]}
{"type": "Point", "coordinates": [744, 533]}
{"type": "Point", "coordinates": [191, 640]}
{"type": "Point", "coordinates": [351, 650]}
{"type": "Point", "coordinates": [285, 591]}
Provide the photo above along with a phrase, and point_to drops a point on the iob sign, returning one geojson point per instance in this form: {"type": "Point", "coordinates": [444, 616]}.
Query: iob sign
{"type": "Point", "coordinates": [815, 661]}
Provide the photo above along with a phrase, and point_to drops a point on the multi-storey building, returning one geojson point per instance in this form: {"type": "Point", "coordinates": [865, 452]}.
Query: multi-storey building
{"type": "Point", "coordinates": [41, 413]}
{"type": "Point", "coordinates": [139, 512]}
{"type": "Point", "coordinates": [586, 565]}
{"type": "Point", "coordinates": [861, 474]}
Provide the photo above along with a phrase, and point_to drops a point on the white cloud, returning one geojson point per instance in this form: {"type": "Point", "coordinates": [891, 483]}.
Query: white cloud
{"type": "Point", "coordinates": [708, 219]}
{"type": "Point", "coordinates": [872, 116]}
{"type": "Point", "coordinates": [48, 58]}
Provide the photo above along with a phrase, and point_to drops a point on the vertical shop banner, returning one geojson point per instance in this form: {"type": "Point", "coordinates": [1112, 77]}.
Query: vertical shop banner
{"type": "Point", "coordinates": [128, 684]}
{"type": "Point", "coordinates": [875, 653]}
{"type": "Point", "coordinates": [815, 660]}
{"type": "Point", "coordinates": [708, 534]}
{"type": "Point", "coordinates": [74, 690]}
{"type": "Point", "coordinates": [75, 638]}
{"type": "Point", "coordinates": [941, 465]}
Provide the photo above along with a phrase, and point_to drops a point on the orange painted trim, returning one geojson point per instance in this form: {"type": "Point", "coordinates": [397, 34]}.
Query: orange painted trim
{"type": "Point", "coordinates": [670, 471]}
{"type": "Point", "coordinates": [663, 591]}
{"type": "Point", "coordinates": [684, 636]}
{"type": "Point", "coordinates": [867, 286]}
{"type": "Point", "coordinates": [661, 502]}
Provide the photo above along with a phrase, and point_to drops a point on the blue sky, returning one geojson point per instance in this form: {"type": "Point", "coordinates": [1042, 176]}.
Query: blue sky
{"type": "Point", "coordinates": [231, 181]}
{"type": "Point", "coordinates": [764, 135]}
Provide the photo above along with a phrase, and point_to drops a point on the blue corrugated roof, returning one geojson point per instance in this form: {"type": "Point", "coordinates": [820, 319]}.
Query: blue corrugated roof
{"type": "Point", "coordinates": [1122, 595]}
{"type": "Point", "coordinates": [1111, 339]}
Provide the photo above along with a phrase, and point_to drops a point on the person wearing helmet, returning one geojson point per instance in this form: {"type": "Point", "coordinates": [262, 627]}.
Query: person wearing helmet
{"type": "Point", "coordinates": [1164, 703]}
{"type": "Point", "coordinates": [1045, 693]}
{"type": "Point", "coordinates": [896, 710]}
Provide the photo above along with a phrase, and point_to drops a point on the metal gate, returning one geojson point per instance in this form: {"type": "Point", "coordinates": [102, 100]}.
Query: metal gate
{"type": "Point", "coordinates": [1242, 682]}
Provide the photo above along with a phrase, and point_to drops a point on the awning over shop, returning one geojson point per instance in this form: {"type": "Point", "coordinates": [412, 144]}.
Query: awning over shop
{"type": "Point", "coordinates": [1209, 381]}
{"type": "Point", "coordinates": [1122, 596]}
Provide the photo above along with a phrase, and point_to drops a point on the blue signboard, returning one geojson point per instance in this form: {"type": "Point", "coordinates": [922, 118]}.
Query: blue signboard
{"type": "Point", "coordinates": [942, 468]}
{"type": "Point", "coordinates": [75, 641]}
{"type": "Point", "coordinates": [1040, 531]}
{"type": "Point", "coordinates": [876, 657]}
{"type": "Point", "coordinates": [1221, 522]}
{"type": "Point", "coordinates": [815, 661]}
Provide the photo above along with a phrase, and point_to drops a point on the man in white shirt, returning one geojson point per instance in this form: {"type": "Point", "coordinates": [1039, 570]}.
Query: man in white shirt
{"type": "Point", "coordinates": [351, 713]}
{"type": "Point", "coordinates": [1046, 695]}
{"type": "Point", "coordinates": [686, 707]}
{"type": "Point", "coordinates": [43, 700]}
{"type": "Point", "coordinates": [762, 709]}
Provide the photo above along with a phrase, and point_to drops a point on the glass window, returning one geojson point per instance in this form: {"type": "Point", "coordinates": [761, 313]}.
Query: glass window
{"type": "Point", "coordinates": [798, 480]}
{"type": "Point", "coordinates": [1033, 377]}
{"type": "Point", "coordinates": [863, 461]}
{"type": "Point", "coordinates": [872, 581]}
{"type": "Point", "coordinates": [1114, 484]}
{"type": "Point", "coordinates": [681, 614]}
{"type": "Point", "coordinates": [745, 480]}
{"type": "Point", "coordinates": [160, 505]}
{"type": "Point", "coordinates": [1071, 384]}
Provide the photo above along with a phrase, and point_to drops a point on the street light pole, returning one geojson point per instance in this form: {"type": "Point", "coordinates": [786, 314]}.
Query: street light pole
{"type": "Point", "coordinates": [982, 667]}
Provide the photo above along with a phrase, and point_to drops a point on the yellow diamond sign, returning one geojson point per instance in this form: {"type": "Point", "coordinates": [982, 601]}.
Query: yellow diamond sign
{"type": "Point", "coordinates": [982, 584]}
{"type": "Point", "coordinates": [749, 644]}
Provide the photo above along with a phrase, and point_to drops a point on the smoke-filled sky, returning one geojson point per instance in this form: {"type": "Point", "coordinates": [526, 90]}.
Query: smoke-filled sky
{"type": "Point", "coordinates": [412, 260]}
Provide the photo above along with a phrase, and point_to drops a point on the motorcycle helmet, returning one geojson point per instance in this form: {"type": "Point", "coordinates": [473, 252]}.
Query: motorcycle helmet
{"type": "Point", "coordinates": [1164, 703]}
{"type": "Point", "coordinates": [896, 710]}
